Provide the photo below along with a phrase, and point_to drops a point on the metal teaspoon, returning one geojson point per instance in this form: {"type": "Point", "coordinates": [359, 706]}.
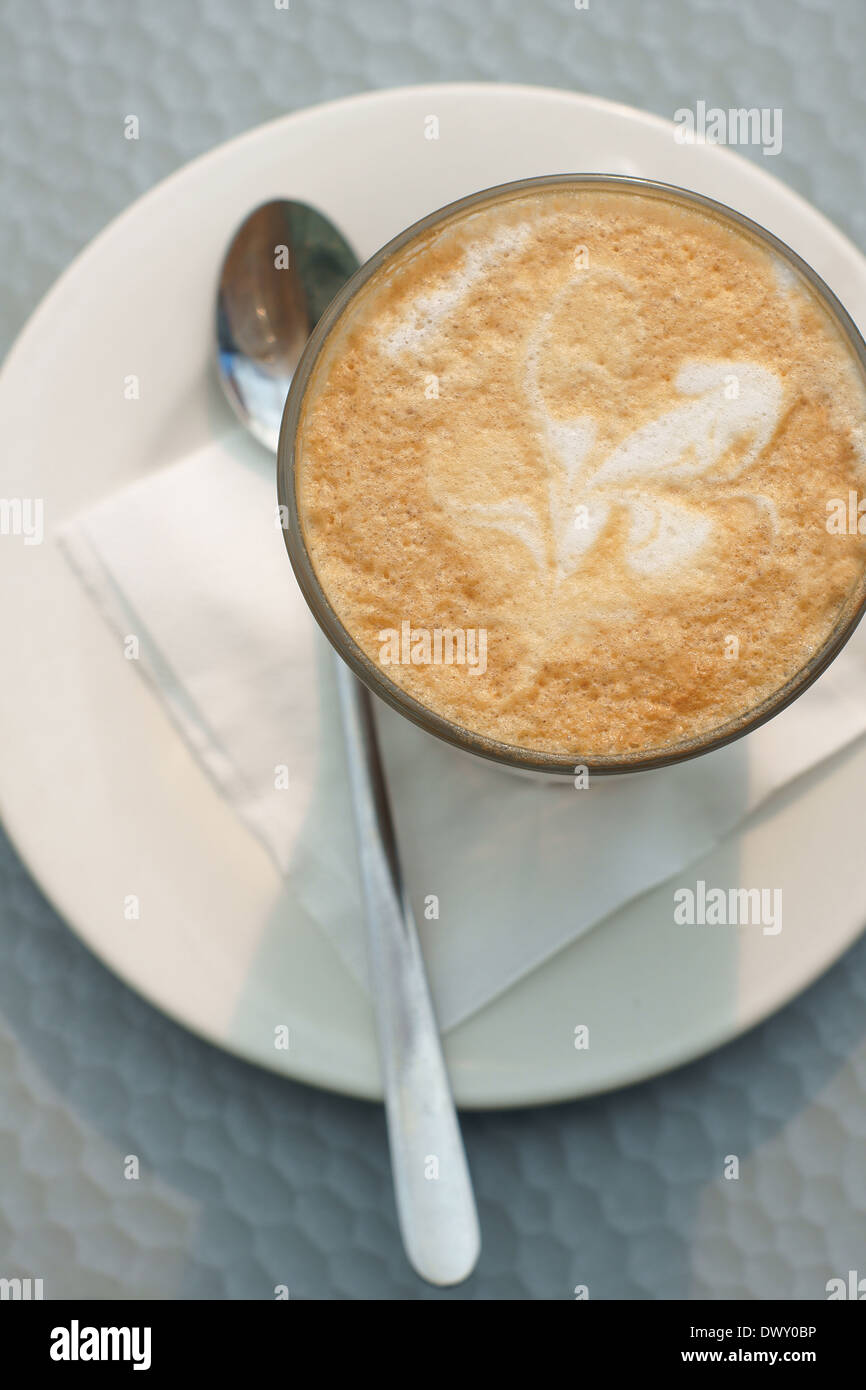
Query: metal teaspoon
{"type": "Point", "coordinates": [282, 268]}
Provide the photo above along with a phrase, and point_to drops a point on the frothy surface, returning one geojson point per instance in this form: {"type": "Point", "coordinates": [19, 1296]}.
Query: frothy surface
{"type": "Point", "coordinates": [604, 428]}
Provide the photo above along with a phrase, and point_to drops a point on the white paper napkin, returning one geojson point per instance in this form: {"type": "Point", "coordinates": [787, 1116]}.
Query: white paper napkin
{"type": "Point", "coordinates": [191, 561]}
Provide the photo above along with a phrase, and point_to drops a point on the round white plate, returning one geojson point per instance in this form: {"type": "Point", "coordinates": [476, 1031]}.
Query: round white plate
{"type": "Point", "coordinates": [101, 795]}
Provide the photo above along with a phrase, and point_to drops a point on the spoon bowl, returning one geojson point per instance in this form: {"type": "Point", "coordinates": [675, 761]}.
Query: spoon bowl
{"type": "Point", "coordinates": [283, 267]}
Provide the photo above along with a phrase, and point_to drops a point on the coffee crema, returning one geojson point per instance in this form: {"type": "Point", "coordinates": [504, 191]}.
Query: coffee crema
{"type": "Point", "coordinates": [606, 429]}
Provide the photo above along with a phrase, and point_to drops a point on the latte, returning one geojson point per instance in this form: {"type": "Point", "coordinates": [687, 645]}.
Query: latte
{"type": "Point", "coordinates": [605, 428]}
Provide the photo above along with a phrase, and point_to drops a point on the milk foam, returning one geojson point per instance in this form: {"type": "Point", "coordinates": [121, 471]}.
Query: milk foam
{"type": "Point", "coordinates": [682, 444]}
{"type": "Point", "coordinates": [513, 518]}
{"type": "Point", "coordinates": [426, 312]}
{"type": "Point", "coordinates": [787, 279]}
{"type": "Point", "coordinates": [664, 533]}
{"type": "Point", "coordinates": [626, 463]}
{"type": "Point", "coordinates": [736, 400]}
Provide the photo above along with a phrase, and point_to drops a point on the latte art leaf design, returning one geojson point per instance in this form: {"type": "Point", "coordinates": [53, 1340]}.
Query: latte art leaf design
{"type": "Point", "coordinates": [729, 412]}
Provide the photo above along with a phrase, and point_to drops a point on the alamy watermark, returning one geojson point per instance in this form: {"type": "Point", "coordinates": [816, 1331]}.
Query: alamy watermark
{"type": "Point", "coordinates": [77, 1343]}
{"type": "Point", "coordinates": [23, 516]}
{"type": "Point", "coordinates": [735, 907]}
{"type": "Point", "coordinates": [21, 1290]}
{"type": "Point", "coordinates": [739, 125]}
{"type": "Point", "coordinates": [846, 516]}
{"type": "Point", "coordinates": [852, 1288]}
{"type": "Point", "coordinates": [438, 646]}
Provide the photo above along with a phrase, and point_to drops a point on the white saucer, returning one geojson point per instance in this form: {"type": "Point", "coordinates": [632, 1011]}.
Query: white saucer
{"type": "Point", "coordinates": [101, 796]}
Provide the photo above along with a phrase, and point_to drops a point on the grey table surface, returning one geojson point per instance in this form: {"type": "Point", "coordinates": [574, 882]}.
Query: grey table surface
{"type": "Point", "coordinates": [248, 1181]}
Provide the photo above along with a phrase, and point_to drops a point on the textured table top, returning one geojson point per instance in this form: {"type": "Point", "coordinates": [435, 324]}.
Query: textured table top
{"type": "Point", "coordinates": [248, 1181]}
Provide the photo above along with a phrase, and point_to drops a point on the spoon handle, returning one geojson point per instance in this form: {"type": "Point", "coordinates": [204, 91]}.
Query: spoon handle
{"type": "Point", "coordinates": [433, 1189]}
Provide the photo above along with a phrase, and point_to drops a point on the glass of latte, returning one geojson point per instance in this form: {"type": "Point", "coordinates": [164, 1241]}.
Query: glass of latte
{"type": "Point", "coordinates": [570, 474]}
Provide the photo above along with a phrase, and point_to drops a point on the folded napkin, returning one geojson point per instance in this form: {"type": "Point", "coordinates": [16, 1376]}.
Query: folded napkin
{"type": "Point", "coordinates": [191, 560]}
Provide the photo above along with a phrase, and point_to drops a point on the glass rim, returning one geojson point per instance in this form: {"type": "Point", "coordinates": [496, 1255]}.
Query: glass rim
{"type": "Point", "coordinates": [373, 676]}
